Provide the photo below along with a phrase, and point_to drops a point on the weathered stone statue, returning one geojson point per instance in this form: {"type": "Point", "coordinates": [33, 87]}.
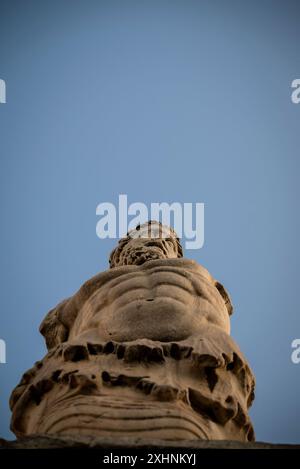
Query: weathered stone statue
{"type": "Point", "coordinates": [142, 349]}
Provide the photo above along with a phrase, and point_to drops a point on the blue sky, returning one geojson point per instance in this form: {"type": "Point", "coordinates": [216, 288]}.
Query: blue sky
{"type": "Point", "coordinates": [185, 101]}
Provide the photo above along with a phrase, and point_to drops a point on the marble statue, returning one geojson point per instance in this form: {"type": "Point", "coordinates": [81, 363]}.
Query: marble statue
{"type": "Point", "coordinates": [142, 349]}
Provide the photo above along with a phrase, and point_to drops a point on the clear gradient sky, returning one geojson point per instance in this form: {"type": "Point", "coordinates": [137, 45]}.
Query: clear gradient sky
{"type": "Point", "coordinates": [185, 101]}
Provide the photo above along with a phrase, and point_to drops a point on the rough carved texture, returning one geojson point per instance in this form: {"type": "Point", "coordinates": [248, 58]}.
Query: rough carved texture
{"type": "Point", "coordinates": [141, 350]}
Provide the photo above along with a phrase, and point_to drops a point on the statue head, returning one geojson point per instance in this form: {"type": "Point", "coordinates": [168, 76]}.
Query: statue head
{"type": "Point", "coordinates": [146, 242]}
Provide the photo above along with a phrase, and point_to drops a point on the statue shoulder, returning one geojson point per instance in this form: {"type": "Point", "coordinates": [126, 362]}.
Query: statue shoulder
{"type": "Point", "coordinates": [52, 329]}
{"type": "Point", "coordinates": [57, 323]}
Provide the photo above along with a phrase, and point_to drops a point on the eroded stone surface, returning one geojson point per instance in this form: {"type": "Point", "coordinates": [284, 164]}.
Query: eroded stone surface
{"type": "Point", "coordinates": [141, 350]}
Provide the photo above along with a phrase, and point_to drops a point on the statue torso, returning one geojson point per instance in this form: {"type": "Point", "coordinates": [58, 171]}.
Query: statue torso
{"type": "Point", "coordinates": [161, 300]}
{"type": "Point", "coordinates": [139, 350]}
